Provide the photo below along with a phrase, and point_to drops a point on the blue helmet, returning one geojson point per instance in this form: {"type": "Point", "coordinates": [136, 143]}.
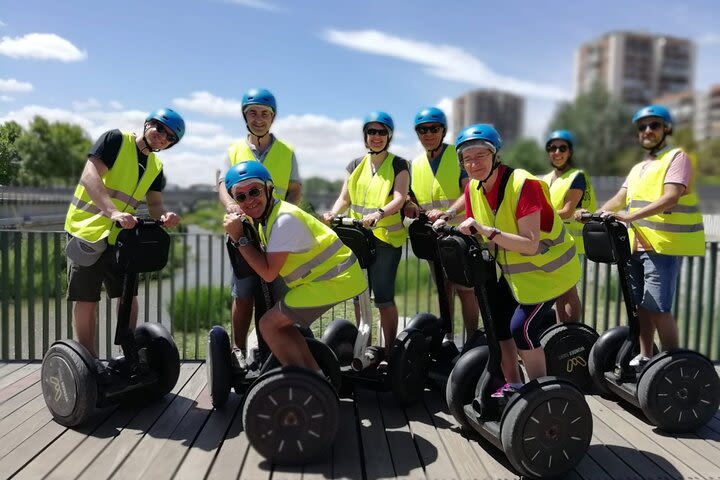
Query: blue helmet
{"type": "Point", "coordinates": [245, 171]}
{"type": "Point", "coordinates": [479, 131]}
{"type": "Point", "coordinates": [431, 115]}
{"type": "Point", "coordinates": [565, 135]}
{"type": "Point", "coordinates": [379, 117]}
{"type": "Point", "coordinates": [653, 111]}
{"type": "Point", "coordinates": [169, 118]}
{"type": "Point", "coordinates": [259, 96]}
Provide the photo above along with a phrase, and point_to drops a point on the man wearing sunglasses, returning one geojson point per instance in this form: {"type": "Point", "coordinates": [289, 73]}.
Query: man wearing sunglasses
{"type": "Point", "coordinates": [318, 269]}
{"type": "Point", "coordinates": [570, 189]}
{"type": "Point", "coordinates": [666, 224]}
{"type": "Point", "coordinates": [437, 182]}
{"type": "Point", "coordinates": [121, 171]}
{"type": "Point", "coordinates": [259, 110]}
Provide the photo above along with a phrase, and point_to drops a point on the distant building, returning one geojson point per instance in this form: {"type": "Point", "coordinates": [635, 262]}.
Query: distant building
{"type": "Point", "coordinates": [699, 111]}
{"type": "Point", "coordinates": [636, 67]}
{"type": "Point", "coordinates": [506, 111]}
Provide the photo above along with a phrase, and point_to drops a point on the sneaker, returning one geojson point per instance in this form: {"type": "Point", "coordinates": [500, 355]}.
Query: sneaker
{"type": "Point", "coordinates": [238, 359]}
{"type": "Point", "coordinates": [639, 360]}
{"type": "Point", "coordinates": [100, 367]}
{"type": "Point", "coordinates": [505, 390]}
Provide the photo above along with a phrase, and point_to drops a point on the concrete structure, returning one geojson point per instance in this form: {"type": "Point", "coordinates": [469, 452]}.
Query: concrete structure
{"type": "Point", "coordinates": [506, 111]}
{"type": "Point", "coordinates": [635, 66]}
{"type": "Point", "coordinates": [699, 111]}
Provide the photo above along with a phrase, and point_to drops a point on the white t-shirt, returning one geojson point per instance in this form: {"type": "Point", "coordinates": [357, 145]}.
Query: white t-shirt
{"type": "Point", "coordinates": [289, 234]}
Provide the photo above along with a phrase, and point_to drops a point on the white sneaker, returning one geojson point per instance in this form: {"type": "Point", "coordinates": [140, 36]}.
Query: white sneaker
{"type": "Point", "coordinates": [638, 360]}
{"type": "Point", "coordinates": [238, 359]}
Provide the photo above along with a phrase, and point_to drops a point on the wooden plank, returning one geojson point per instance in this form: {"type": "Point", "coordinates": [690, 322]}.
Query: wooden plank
{"type": "Point", "coordinates": [403, 449]}
{"type": "Point", "coordinates": [589, 468]}
{"type": "Point", "coordinates": [203, 451]}
{"type": "Point", "coordinates": [31, 424]}
{"type": "Point", "coordinates": [20, 416]}
{"type": "Point", "coordinates": [7, 368]}
{"type": "Point", "coordinates": [30, 447]}
{"type": "Point", "coordinates": [150, 445]}
{"type": "Point", "coordinates": [347, 463]}
{"type": "Point", "coordinates": [19, 386]}
{"type": "Point", "coordinates": [16, 375]}
{"type": "Point", "coordinates": [375, 447]}
{"type": "Point", "coordinates": [12, 404]}
{"type": "Point", "coordinates": [255, 466]}
{"type": "Point", "coordinates": [231, 453]}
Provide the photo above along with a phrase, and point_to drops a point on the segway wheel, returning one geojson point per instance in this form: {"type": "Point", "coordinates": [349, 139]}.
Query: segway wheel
{"type": "Point", "coordinates": [567, 350]}
{"type": "Point", "coordinates": [547, 431]}
{"type": "Point", "coordinates": [290, 416]}
{"type": "Point", "coordinates": [69, 384]}
{"type": "Point", "coordinates": [602, 356]}
{"type": "Point", "coordinates": [162, 357]}
{"type": "Point", "coordinates": [429, 325]}
{"type": "Point", "coordinates": [679, 392]}
{"type": "Point", "coordinates": [462, 382]}
{"type": "Point", "coordinates": [219, 365]}
{"type": "Point", "coordinates": [340, 336]}
{"type": "Point", "coordinates": [408, 365]}
{"type": "Point", "coordinates": [324, 356]}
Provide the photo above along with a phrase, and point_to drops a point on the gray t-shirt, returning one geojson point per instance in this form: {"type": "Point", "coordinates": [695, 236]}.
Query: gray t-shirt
{"type": "Point", "coordinates": [260, 157]}
{"type": "Point", "coordinates": [289, 234]}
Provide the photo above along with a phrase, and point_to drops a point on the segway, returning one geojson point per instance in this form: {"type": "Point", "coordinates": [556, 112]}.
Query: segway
{"type": "Point", "coordinates": [567, 351]}
{"type": "Point", "coordinates": [406, 369]}
{"type": "Point", "coordinates": [74, 383]}
{"type": "Point", "coordinates": [545, 427]}
{"type": "Point", "coordinates": [677, 390]}
{"type": "Point", "coordinates": [290, 414]}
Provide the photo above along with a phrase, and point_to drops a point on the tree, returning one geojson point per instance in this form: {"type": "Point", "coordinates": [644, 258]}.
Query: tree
{"type": "Point", "coordinates": [9, 155]}
{"type": "Point", "coordinates": [526, 153]}
{"type": "Point", "coordinates": [709, 157]}
{"type": "Point", "coordinates": [602, 128]}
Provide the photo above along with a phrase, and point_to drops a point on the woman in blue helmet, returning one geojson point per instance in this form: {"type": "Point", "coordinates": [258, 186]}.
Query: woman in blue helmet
{"type": "Point", "coordinates": [121, 171]}
{"type": "Point", "coordinates": [570, 189]}
{"type": "Point", "coordinates": [511, 209]}
{"type": "Point", "coordinates": [374, 191]}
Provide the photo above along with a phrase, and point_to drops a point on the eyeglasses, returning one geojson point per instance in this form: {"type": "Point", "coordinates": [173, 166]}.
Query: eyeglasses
{"type": "Point", "coordinates": [432, 129]}
{"type": "Point", "coordinates": [556, 148]}
{"type": "Point", "coordinates": [169, 135]}
{"type": "Point", "coordinates": [381, 132]}
{"type": "Point", "coordinates": [480, 157]}
{"type": "Point", "coordinates": [653, 126]}
{"type": "Point", "coordinates": [253, 192]}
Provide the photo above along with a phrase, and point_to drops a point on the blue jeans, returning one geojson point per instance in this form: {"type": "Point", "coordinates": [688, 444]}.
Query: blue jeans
{"type": "Point", "coordinates": [653, 279]}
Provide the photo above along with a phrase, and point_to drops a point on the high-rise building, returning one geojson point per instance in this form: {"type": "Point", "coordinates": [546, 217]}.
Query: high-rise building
{"type": "Point", "coordinates": [707, 114]}
{"type": "Point", "coordinates": [636, 67]}
{"type": "Point", "coordinates": [504, 110]}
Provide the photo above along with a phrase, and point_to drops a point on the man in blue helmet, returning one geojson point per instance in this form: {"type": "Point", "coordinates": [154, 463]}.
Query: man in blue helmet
{"type": "Point", "coordinates": [121, 171]}
{"type": "Point", "coordinates": [259, 110]}
{"type": "Point", "coordinates": [666, 224]}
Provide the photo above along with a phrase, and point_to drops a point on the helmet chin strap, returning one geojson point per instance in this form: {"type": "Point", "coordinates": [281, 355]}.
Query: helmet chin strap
{"type": "Point", "coordinates": [657, 145]}
{"type": "Point", "coordinates": [496, 164]}
{"type": "Point", "coordinates": [145, 141]}
{"type": "Point", "coordinates": [268, 204]}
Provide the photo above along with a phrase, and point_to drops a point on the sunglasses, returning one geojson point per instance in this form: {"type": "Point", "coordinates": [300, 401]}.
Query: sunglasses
{"type": "Point", "coordinates": [253, 192]}
{"type": "Point", "coordinates": [381, 132]}
{"type": "Point", "coordinates": [432, 129]}
{"type": "Point", "coordinates": [556, 148]}
{"type": "Point", "coordinates": [169, 135]}
{"type": "Point", "coordinates": [653, 126]}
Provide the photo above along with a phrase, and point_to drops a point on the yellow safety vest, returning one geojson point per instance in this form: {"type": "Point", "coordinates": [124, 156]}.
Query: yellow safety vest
{"type": "Point", "coordinates": [553, 269]}
{"type": "Point", "coordinates": [325, 260]}
{"type": "Point", "coordinates": [439, 190]}
{"type": "Point", "coordinates": [85, 219]}
{"type": "Point", "coordinates": [369, 191]}
{"type": "Point", "coordinates": [678, 231]}
{"type": "Point", "coordinates": [559, 188]}
{"type": "Point", "coordinates": [278, 161]}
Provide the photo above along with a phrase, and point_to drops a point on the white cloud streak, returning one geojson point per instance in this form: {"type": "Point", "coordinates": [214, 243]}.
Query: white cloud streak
{"type": "Point", "coordinates": [12, 85]}
{"type": "Point", "coordinates": [209, 104]}
{"type": "Point", "coordinates": [709, 39]}
{"type": "Point", "coordinates": [5, 98]}
{"type": "Point", "coordinates": [257, 5]}
{"type": "Point", "coordinates": [41, 46]}
{"type": "Point", "coordinates": [443, 61]}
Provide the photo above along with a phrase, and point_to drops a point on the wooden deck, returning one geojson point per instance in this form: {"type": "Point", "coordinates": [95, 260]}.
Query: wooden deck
{"type": "Point", "coordinates": [182, 437]}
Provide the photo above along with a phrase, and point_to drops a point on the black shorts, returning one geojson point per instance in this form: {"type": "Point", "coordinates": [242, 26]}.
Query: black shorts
{"type": "Point", "coordinates": [84, 283]}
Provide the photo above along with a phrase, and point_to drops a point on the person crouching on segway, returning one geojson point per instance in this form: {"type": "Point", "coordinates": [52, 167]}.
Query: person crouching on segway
{"type": "Point", "coordinates": [319, 270]}
{"type": "Point", "coordinates": [511, 209]}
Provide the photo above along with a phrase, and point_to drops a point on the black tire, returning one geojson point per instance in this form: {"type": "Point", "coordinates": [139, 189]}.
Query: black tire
{"type": "Point", "coordinates": [340, 336]}
{"type": "Point", "coordinates": [547, 431]}
{"type": "Point", "coordinates": [679, 392]}
{"type": "Point", "coordinates": [431, 328]}
{"type": "Point", "coordinates": [291, 416]}
{"type": "Point", "coordinates": [162, 358]}
{"type": "Point", "coordinates": [219, 365]}
{"type": "Point", "coordinates": [305, 331]}
{"type": "Point", "coordinates": [69, 383]}
{"type": "Point", "coordinates": [408, 365]}
{"type": "Point", "coordinates": [463, 380]}
{"type": "Point", "coordinates": [602, 356]}
{"type": "Point", "coordinates": [323, 355]}
{"type": "Point", "coordinates": [567, 350]}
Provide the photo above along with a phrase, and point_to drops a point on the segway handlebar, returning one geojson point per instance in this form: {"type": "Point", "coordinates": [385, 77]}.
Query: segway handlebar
{"type": "Point", "coordinates": [596, 217]}
{"type": "Point", "coordinates": [450, 230]}
{"type": "Point", "coordinates": [144, 222]}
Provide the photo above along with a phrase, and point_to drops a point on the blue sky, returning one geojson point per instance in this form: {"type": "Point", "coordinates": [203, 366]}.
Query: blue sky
{"type": "Point", "coordinates": [106, 64]}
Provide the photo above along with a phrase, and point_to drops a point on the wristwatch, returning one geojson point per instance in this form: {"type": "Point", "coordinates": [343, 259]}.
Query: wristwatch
{"type": "Point", "coordinates": [494, 233]}
{"type": "Point", "coordinates": [381, 212]}
{"type": "Point", "coordinates": [240, 242]}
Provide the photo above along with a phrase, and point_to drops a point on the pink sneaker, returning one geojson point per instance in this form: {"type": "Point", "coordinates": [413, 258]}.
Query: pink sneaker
{"type": "Point", "coordinates": [506, 389]}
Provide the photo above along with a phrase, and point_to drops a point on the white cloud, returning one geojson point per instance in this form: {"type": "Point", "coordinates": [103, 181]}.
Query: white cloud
{"type": "Point", "coordinates": [257, 4]}
{"type": "Point", "coordinates": [209, 104]}
{"type": "Point", "coordinates": [115, 104]}
{"type": "Point", "coordinates": [443, 61]}
{"type": "Point", "coordinates": [709, 39]}
{"type": "Point", "coordinates": [12, 85]}
{"type": "Point", "coordinates": [41, 46]}
{"type": "Point", "coordinates": [2, 24]}
{"type": "Point", "coordinates": [5, 98]}
{"type": "Point", "coordinates": [89, 104]}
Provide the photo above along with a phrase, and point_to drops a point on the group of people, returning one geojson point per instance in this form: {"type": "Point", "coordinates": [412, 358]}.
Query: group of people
{"type": "Point", "coordinates": [532, 225]}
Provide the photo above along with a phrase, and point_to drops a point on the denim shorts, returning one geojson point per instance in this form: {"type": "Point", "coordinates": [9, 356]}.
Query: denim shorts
{"type": "Point", "coordinates": [382, 274]}
{"type": "Point", "coordinates": [653, 279]}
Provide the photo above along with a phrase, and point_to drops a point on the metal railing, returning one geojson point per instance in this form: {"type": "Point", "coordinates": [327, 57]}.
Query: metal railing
{"type": "Point", "coordinates": [34, 311]}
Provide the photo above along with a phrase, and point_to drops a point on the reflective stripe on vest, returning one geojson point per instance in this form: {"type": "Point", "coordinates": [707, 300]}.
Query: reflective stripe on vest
{"type": "Point", "coordinates": [278, 161]}
{"type": "Point", "coordinates": [537, 278]}
{"type": "Point", "coordinates": [676, 231]}
{"type": "Point", "coordinates": [126, 191]}
{"type": "Point", "coordinates": [369, 191]}
{"type": "Point", "coordinates": [439, 190]}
